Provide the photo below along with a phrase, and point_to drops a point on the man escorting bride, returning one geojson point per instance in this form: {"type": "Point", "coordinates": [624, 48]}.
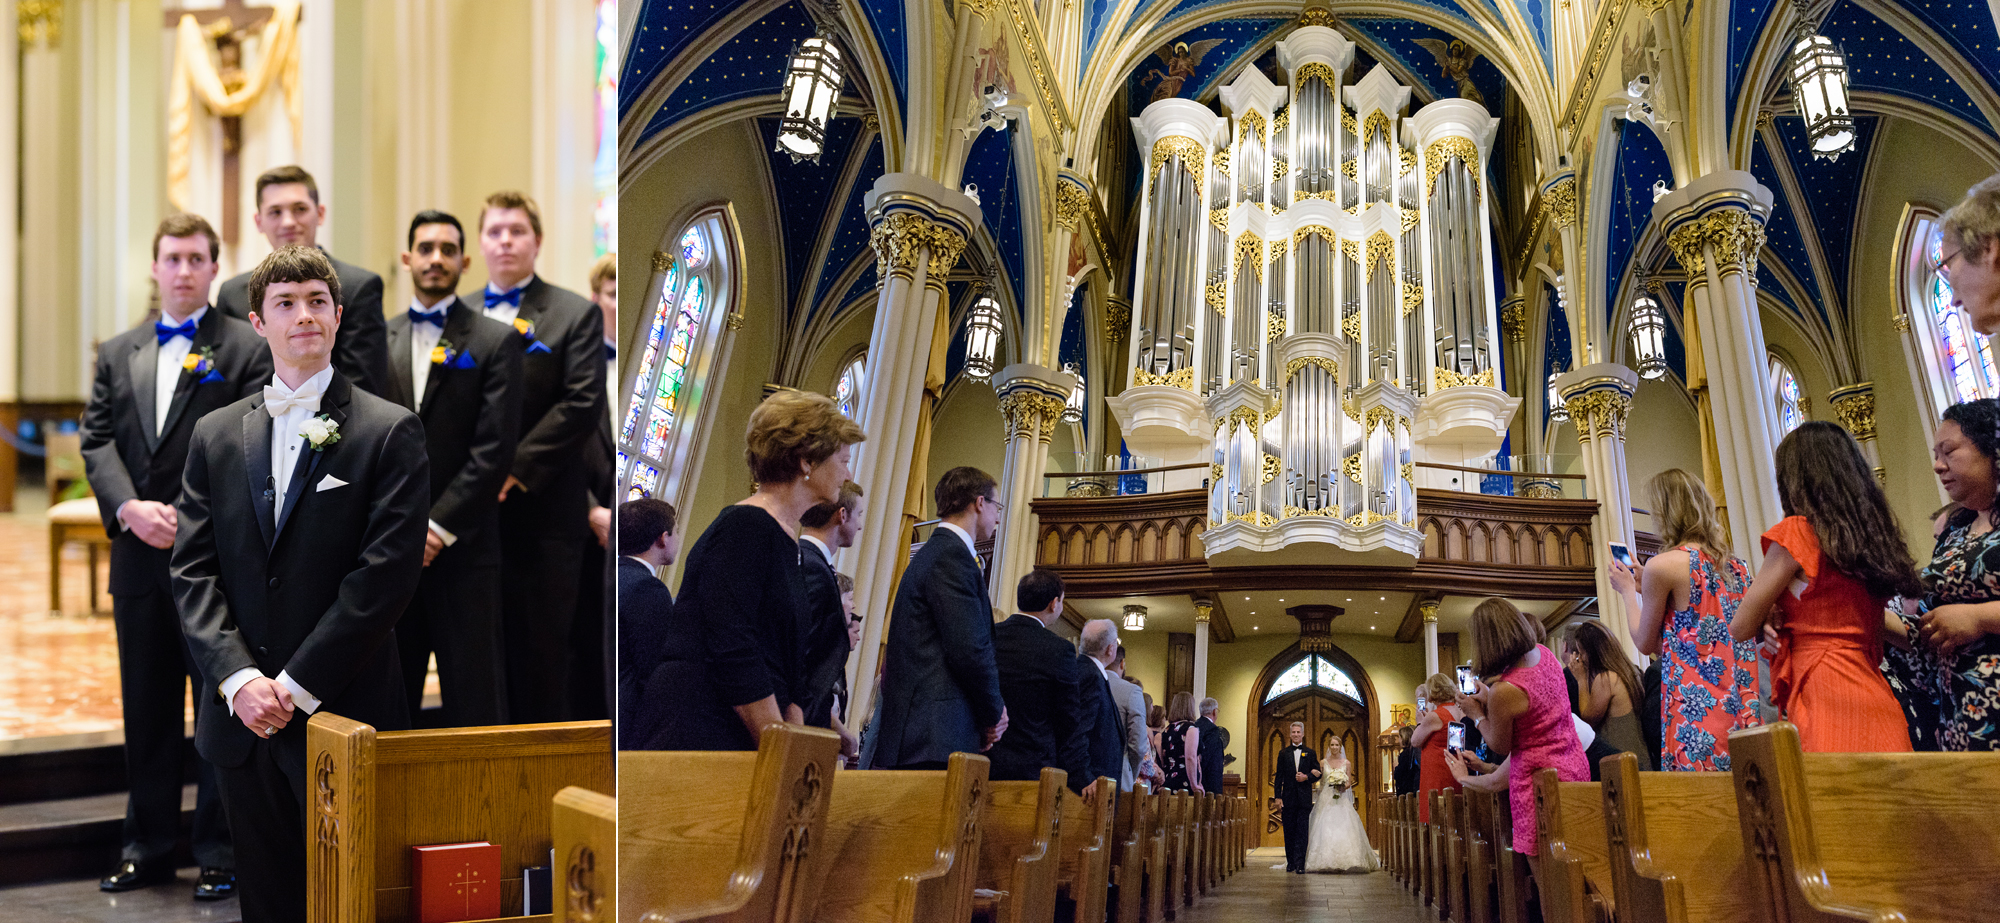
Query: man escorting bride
{"type": "Point", "coordinates": [1338, 842]}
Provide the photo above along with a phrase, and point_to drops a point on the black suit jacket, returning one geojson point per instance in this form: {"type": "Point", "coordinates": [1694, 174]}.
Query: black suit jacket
{"type": "Point", "coordinates": [1106, 737]}
{"type": "Point", "coordinates": [1284, 779]}
{"type": "Point", "coordinates": [1049, 717]}
{"type": "Point", "coordinates": [600, 454]}
{"type": "Point", "coordinates": [360, 349]}
{"type": "Point", "coordinates": [315, 589]}
{"type": "Point", "coordinates": [1212, 744]}
{"type": "Point", "coordinates": [825, 634]}
{"type": "Point", "coordinates": [644, 605]}
{"type": "Point", "coordinates": [122, 456]}
{"type": "Point", "coordinates": [562, 389]}
{"type": "Point", "coordinates": [939, 683]}
{"type": "Point", "coordinates": [471, 419]}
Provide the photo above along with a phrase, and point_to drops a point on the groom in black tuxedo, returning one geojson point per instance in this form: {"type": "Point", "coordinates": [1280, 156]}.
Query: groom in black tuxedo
{"type": "Point", "coordinates": [301, 539]}
{"type": "Point", "coordinates": [153, 382]}
{"type": "Point", "coordinates": [1292, 781]}
{"type": "Point", "coordinates": [461, 374]}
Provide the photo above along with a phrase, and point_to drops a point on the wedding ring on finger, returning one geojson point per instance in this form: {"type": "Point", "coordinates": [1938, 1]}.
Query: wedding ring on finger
{"type": "Point", "coordinates": [268, 730]}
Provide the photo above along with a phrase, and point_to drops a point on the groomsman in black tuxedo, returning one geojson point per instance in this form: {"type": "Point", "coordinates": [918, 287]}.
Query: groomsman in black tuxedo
{"type": "Point", "coordinates": [153, 382]}
{"type": "Point", "coordinates": [940, 688]}
{"type": "Point", "coordinates": [823, 531]}
{"type": "Point", "coordinates": [301, 540]}
{"type": "Point", "coordinates": [646, 543]}
{"type": "Point", "coordinates": [289, 214]}
{"type": "Point", "coordinates": [545, 503]}
{"type": "Point", "coordinates": [461, 374]}
{"type": "Point", "coordinates": [594, 635]}
{"type": "Point", "coordinates": [1292, 782]}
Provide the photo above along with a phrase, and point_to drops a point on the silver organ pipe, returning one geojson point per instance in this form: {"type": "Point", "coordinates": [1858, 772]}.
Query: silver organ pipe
{"type": "Point", "coordinates": [1457, 267]}
{"type": "Point", "coordinates": [1380, 165]}
{"type": "Point", "coordinates": [1166, 343]}
{"type": "Point", "coordinates": [1350, 307]}
{"type": "Point", "coordinates": [1350, 147]}
{"type": "Point", "coordinates": [1246, 311]}
{"type": "Point", "coordinates": [1382, 305]}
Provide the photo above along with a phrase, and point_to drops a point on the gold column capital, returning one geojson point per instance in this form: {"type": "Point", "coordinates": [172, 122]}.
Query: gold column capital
{"type": "Point", "coordinates": [1202, 610]}
{"type": "Point", "coordinates": [1429, 610]}
{"type": "Point", "coordinates": [1732, 235]}
{"type": "Point", "coordinates": [902, 238]}
{"type": "Point", "coordinates": [40, 21]}
{"type": "Point", "coordinates": [1599, 413]}
{"type": "Point", "coordinates": [1031, 413]}
{"type": "Point", "coordinates": [1854, 405]}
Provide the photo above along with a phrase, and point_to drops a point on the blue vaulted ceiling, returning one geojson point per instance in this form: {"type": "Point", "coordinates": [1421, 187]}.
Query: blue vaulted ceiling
{"type": "Point", "coordinates": [1555, 344]}
{"type": "Point", "coordinates": [1832, 189]}
{"type": "Point", "coordinates": [1398, 37]}
{"type": "Point", "coordinates": [751, 64]}
{"type": "Point", "coordinates": [1240, 39]}
{"type": "Point", "coordinates": [663, 29]}
{"type": "Point", "coordinates": [805, 191]}
{"type": "Point", "coordinates": [1641, 163]}
{"type": "Point", "coordinates": [990, 166]}
{"type": "Point", "coordinates": [1746, 26]}
{"type": "Point", "coordinates": [850, 238]}
{"type": "Point", "coordinates": [1783, 237]}
{"type": "Point", "coordinates": [1879, 58]}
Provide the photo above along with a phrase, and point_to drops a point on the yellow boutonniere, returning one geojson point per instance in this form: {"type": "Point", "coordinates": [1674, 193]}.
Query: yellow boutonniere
{"type": "Point", "coordinates": [439, 355]}
{"type": "Point", "coordinates": [190, 362]}
{"type": "Point", "coordinates": [525, 326]}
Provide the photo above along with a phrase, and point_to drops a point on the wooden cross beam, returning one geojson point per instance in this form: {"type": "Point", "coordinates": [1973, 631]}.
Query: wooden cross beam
{"type": "Point", "coordinates": [229, 25]}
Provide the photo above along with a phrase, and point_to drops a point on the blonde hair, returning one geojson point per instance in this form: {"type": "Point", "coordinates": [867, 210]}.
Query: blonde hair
{"type": "Point", "coordinates": [1180, 707]}
{"type": "Point", "coordinates": [604, 270]}
{"type": "Point", "coordinates": [1684, 514]}
{"type": "Point", "coordinates": [1441, 688]}
{"type": "Point", "coordinates": [791, 427]}
{"type": "Point", "coordinates": [1975, 221]}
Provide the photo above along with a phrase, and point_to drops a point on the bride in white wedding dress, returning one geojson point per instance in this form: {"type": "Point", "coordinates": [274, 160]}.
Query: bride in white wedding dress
{"type": "Point", "coordinates": [1338, 842]}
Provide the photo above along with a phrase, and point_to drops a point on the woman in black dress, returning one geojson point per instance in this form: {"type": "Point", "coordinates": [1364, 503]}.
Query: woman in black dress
{"type": "Point", "coordinates": [735, 648]}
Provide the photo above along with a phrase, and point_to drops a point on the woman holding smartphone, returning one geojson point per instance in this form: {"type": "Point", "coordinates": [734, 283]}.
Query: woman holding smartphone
{"type": "Point", "coordinates": [1431, 738]}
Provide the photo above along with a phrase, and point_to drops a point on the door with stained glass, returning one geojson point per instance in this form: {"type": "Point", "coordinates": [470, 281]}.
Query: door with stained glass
{"type": "Point", "coordinates": [1334, 709]}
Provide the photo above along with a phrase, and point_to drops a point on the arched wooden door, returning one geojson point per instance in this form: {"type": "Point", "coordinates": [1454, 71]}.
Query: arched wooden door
{"type": "Point", "coordinates": [1330, 693]}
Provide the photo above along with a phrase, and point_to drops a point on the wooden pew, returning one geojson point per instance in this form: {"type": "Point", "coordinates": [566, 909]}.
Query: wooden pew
{"type": "Point", "coordinates": [1166, 880]}
{"type": "Point", "coordinates": [1020, 849]}
{"type": "Point", "coordinates": [1512, 883]}
{"type": "Point", "coordinates": [1480, 865]}
{"type": "Point", "coordinates": [902, 846]}
{"type": "Point", "coordinates": [1867, 836]}
{"type": "Point", "coordinates": [1451, 880]}
{"type": "Point", "coordinates": [1084, 878]}
{"type": "Point", "coordinates": [1202, 827]}
{"type": "Point", "coordinates": [1394, 855]}
{"type": "Point", "coordinates": [586, 871]}
{"type": "Point", "coordinates": [1133, 844]}
{"type": "Point", "coordinates": [1676, 849]}
{"type": "Point", "coordinates": [1575, 866]}
{"type": "Point", "coordinates": [373, 795]}
{"type": "Point", "coordinates": [1433, 881]}
{"type": "Point", "coordinates": [726, 836]}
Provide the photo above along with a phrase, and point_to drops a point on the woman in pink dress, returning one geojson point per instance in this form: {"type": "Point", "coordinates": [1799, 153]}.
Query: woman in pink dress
{"type": "Point", "coordinates": [1524, 715]}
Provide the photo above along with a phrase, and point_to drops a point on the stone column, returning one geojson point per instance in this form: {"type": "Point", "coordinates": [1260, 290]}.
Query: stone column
{"type": "Point", "coordinates": [918, 229]}
{"type": "Point", "coordinates": [1031, 401]}
{"type": "Point", "coordinates": [1598, 398]}
{"type": "Point", "coordinates": [1202, 609]}
{"type": "Point", "coordinates": [10, 255]}
{"type": "Point", "coordinates": [1855, 406]}
{"type": "Point", "coordinates": [1429, 610]}
{"type": "Point", "coordinates": [1716, 227]}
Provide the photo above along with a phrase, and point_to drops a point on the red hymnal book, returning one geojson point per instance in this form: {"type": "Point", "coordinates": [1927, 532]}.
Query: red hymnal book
{"type": "Point", "coordinates": [451, 882]}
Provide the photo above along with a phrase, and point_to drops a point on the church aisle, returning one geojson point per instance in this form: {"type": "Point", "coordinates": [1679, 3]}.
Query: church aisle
{"type": "Point", "coordinates": [1263, 893]}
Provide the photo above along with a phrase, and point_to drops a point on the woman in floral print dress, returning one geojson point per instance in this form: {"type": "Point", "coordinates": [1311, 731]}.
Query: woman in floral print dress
{"type": "Point", "coordinates": [1708, 683]}
{"type": "Point", "coordinates": [1957, 637]}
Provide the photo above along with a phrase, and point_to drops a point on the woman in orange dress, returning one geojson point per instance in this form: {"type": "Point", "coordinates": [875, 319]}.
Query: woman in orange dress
{"type": "Point", "coordinates": [1432, 733]}
{"type": "Point", "coordinates": [1829, 567]}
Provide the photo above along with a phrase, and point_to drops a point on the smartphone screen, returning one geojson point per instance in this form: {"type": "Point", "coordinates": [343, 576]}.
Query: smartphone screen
{"type": "Point", "coordinates": [1465, 680]}
{"type": "Point", "coordinates": [1422, 703]}
{"type": "Point", "coordinates": [1621, 554]}
{"type": "Point", "coordinates": [1455, 737]}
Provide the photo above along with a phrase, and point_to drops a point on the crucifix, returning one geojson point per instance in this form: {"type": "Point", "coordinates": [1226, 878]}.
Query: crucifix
{"type": "Point", "coordinates": [228, 26]}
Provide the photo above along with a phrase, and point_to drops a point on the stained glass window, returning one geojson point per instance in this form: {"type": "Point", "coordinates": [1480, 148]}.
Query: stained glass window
{"type": "Point", "coordinates": [1298, 677]}
{"type": "Point", "coordinates": [1328, 676]}
{"type": "Point", "coordinates": [1314, 671]}
{"type": "Point", "coordinates": [682, 314]}
{"type": "Point", "coordinates": [1785, 390]}
{"type": "Point", "coordinates": [604, 170]}
{"type": "Point", "coordinates": [847, 391]}
{"type": "Point", "coordinates": [1964, 368]}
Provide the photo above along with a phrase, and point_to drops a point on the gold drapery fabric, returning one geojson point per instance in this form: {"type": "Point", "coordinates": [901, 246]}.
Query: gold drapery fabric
{"type": "Point", "coordinates": [194, 73]}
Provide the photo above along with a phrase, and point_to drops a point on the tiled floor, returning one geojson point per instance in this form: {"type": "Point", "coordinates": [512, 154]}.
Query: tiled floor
{"type": "Point", "coordinates": [1261, 893]}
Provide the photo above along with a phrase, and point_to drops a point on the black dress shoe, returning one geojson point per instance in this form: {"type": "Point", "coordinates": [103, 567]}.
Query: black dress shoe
{"type": "Point", "coordinates": [215, 884]}
{"type": "Point", "coordinates": [131, 876]}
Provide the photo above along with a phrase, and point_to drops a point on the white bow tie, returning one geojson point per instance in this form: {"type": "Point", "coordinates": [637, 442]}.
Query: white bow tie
{"type": "Point", "coordinates": [277, 403]}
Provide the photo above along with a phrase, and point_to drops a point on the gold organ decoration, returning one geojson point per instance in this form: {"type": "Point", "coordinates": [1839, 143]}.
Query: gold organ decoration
{"type": "Point", "coordinates": [1327, 364]}
{"type": "Point", "coordinates": [1352, 249]}
{"type": "Point", "coordinates": [1278, 249]}
{"type": "Point", "coordinates": [1319, 69]}
{"type": "Point", "coordinates": [1347, 121]}
{"type": "Point", "coordinates": [1375, 122]}
{"type": "Point", "coordinates": [1352, 468]}
{"type": "Point", "coordinates": [1220, 218]}
{"type": "Point", "coordinates": [1406, 160]}
{"type": "Point", "coordinates": [1274, 327]}
{"type": "Point", "coordinates": [1442, 151]}
{"type": "Point", "coordinates": [1413, 296]}
{"type": "Point", "coordinates": [1270, 468]}
{"type": "Point", "coordinates": [1183, 379]}
{"type": "Point", "coordinates": [1249, 250]}
{"type": "Point", "coordinates": [1442, 378]}
{"type": "Point", "coordinates": [1320, 231]}
{"type": "Point", "coordinates": [1187, 149]}
{"type": "Point", "coordinates": [1251, 121]}
{"type": "Point", "coordinates": [1381, 249]}
{"type": "Point", "coordinates": [1351, 325]}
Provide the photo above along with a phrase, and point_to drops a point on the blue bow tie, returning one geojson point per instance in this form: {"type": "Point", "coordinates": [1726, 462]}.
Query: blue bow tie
{"type": "Point", "coordinates": [167, 333]}
{"type": "Point", "coordinates": [610, 352]}
{"type": "Point", "coordinates": [428, 317]}
{"type": "Point", "coordinates": [513, 298]}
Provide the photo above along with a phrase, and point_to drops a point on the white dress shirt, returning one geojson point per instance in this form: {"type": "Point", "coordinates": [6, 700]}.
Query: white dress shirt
{"type": "Point", "coordinates": [423, 338]}
{"type": "Point", "coordinates": [167, 374]}
{"type": "Point", "coordinates": [504, 313]}
{"type": "Point", "coordinates": [824, 551]}
{"type": "Point", "coordinates": [962, 534]}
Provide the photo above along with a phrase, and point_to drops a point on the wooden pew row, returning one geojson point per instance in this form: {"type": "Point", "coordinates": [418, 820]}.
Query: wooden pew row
{"type": "Point", "coordinates": [1676, 849]}
{"type": "Point", "coordinates": [373, 795]}
{"type": "Point", "coordinates": [1020, 849]}
{"type": "Point", "coordinates": [585, 824]}
{"type": "Point", "coordinates": [1084, 878]}
{"type": "Point", "coordinates": [1867, 836]}
{"type": "Point", "coordinates": [1575, 858]}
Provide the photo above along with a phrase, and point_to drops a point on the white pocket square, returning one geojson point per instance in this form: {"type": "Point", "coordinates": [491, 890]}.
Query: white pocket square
{"type": "Point", "coordinates": [329, 482]}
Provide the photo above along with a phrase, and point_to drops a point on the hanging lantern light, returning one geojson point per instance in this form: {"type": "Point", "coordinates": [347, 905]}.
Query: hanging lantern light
{"type": "Point", "coordinates": [982, 338]}
{"type": "Point", "coordinates": [1819, 85]}
{"type": "Point", "coordinates": [812, 83]}
{"type": "Point", "coordinates": [1558, 411]}
{"type": "Point", "coordinates": [1072, 411]}
{"type": "Point", "coordinates": [1135, 617]}
{"type": "Point", "coordinates": [1649, 337]}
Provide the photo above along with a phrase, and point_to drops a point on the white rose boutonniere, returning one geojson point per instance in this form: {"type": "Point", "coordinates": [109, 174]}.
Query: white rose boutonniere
{"type": "Point", "coordinates": [320, 431]}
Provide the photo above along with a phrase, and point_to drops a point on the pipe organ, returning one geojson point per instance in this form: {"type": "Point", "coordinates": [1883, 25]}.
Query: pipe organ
{"type": "Point", "coordinates": [1314, 269]}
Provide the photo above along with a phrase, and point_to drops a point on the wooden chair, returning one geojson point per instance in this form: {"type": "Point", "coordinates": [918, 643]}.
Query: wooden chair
{"type": "Point", "coordinates": [726, 836]}
{"type": "Point", "coordinates": [75, 521]}
{"type": "Point", "coordinates": [902, 846]}
{"type": "Point", "coordinates": [1576, 867]}
{"type": "Point", "coordinates": [1020, 848]}
{"type": "Point", "coordinates": [1867, 836]}
{"type": "Point", "coordinates": [1480, 866]}
{"type": "Point", "coordinates": [1134, 843]}
{"type": "Point", "coordinates": [1084, 877]}
{"type": "Point", "coordinates": [586, 871]}
{"type": "Point", "coordinates": [373, 795]}
{"type": "Point", "coordinates": [1676, 849]}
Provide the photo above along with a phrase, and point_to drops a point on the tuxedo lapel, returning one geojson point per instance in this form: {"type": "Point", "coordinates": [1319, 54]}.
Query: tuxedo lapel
{"type": "Point", "coordinates": [185, 383]}
{"type": "Point", "coordinates": [144, 366]}
{"type": "Point", "coordinates": [334, 405]}
{"type": "Point", "coordinates": [257, 467]}
{"type": "Point", "coordinates": [402, 374]}
{"type": "Point", "coordinates": [457, 330]}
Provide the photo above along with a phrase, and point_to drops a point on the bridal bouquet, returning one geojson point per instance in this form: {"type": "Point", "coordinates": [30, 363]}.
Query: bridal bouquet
{"type": "Point", "coordinates": [1338, 779]}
